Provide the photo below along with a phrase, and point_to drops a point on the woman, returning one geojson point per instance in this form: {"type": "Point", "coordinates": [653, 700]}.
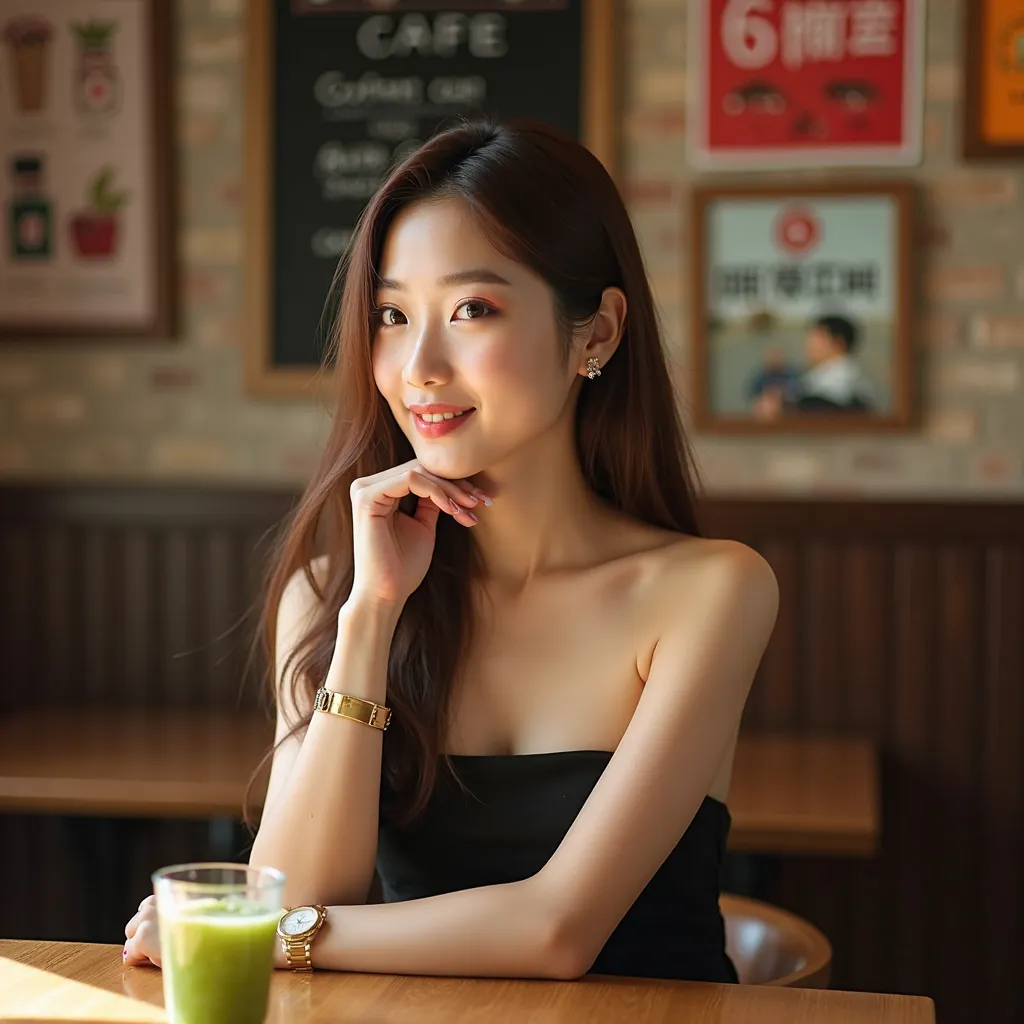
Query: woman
{"type": "Point", "coordinates": [500, 546]}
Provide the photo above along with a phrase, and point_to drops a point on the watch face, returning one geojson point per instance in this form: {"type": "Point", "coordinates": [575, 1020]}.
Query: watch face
{"type": "Point", "coordinates": [297, 921]}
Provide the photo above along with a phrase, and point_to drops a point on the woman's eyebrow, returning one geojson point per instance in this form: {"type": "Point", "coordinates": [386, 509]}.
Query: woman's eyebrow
{"type": "Point", "coordinates": [476, 275]}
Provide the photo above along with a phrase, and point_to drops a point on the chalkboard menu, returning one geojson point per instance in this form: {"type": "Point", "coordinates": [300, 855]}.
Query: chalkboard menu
{"type": "Point", "coordinates": [339, 90]}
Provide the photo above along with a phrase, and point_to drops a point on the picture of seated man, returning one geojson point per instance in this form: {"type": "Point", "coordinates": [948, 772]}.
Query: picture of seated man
{"type": "Point", "coordinates": [833, 382]}
{"type": "Point", "coordinates": [774, 374]}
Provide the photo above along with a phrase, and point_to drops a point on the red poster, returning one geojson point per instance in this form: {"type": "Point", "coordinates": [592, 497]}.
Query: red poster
{"type": "Point", "coordinates": [806, 83]}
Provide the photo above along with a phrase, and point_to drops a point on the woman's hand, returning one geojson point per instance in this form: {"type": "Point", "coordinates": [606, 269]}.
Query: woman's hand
{"type": "Point", "coordinates": [392, 550]}
{"type": "Point", "coordinates": [143, 934]}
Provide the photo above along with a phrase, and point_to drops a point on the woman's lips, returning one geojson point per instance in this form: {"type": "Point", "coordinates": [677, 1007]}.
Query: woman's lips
{"type": "Point", "coordinates": [440, 427]}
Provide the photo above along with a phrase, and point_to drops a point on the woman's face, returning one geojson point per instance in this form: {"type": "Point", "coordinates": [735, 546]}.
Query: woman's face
{"type": "Point", "coordinates": [460, 326]}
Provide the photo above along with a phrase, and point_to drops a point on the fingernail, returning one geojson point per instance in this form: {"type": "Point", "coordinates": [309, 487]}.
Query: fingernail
{"type": "Point", "coordinates": [488, 501]}
{"type": "Point", "coordinates": [455, 508]}
{"type": "Point", "coordinates": [473, 517]}
{"type": "Point", "coordinates": [124, 953]}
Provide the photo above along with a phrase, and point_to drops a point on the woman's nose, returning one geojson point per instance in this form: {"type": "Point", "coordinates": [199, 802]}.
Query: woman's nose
{"type": "Point", "coordinates": [427, 365]}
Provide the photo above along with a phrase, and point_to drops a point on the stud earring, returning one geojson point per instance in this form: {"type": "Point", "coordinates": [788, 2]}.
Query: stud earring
{"type": "Point", "coordinates": [593, 368]}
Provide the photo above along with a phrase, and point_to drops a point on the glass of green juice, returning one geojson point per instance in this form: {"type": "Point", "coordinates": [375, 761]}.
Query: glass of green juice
{"type": "Point", "coordinates": [218, 925]}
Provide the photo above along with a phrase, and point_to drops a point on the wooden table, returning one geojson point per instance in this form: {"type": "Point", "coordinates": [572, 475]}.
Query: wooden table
{"type": "Point", "coordinates": [802, 795]}
{"type": "Point", "coordinates": [56, 981]}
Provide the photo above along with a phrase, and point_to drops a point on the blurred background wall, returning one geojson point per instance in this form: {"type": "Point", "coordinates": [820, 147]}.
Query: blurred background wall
{"type": "Point", "coordinates": [177, 410]}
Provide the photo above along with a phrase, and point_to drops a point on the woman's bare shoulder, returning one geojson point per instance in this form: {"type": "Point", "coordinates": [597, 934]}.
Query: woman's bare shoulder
{"type": "Point", "coordinates": [301, 600]}
{"type": "Point", "coordinates": [684, 572]}
{"type": "Point", "coordinates": [300, 596]}
{"type": "Point", "coordinates": [664, 570]}
{"type": "Point", "coordinates": [668, 551]}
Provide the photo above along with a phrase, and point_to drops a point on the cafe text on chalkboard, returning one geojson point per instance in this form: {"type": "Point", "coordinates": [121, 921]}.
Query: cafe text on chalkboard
{"type": "Point", "coordinates": [340, 90]}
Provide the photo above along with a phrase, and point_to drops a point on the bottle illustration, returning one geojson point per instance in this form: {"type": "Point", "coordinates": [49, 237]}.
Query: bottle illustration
{"type": "Point", "coordinates": [28, 40]}
{"type": "Point", "coordinates": [31, 212]}
{"type": "Point", "coordinates": [97, 79]}
{"type": "Point", "coordinates": [95, 231]}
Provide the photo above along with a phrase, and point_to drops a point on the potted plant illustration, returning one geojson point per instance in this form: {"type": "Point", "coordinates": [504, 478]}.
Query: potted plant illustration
{"type": "Point", "coordinates": [94, 231]}
{"type": "Point", "coordinates": [98, 83]}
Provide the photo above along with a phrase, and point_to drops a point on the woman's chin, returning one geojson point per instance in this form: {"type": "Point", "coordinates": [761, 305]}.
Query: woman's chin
{"type": "Point", "coordinates": [448, 465]}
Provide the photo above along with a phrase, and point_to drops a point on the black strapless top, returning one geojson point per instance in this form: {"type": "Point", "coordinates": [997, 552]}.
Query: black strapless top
{"type": "Point", "coordinates": [517, 811]}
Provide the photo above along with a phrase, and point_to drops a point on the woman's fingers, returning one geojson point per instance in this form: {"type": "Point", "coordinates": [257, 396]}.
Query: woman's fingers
{"type": "Point", "coordinates": [380, 496]}
{"type": "Point", "coordinates": [143, 937]}
{"type": "Point", "coordinates": [132, 959]}
{"type": "Point", "coordinates": [379, 493]}
{"type": "Point", "coordinates": [146, 906]}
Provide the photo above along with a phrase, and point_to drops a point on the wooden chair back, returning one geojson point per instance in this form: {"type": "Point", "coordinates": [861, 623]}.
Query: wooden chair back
{"type": "Point", "coordinates": [771, 946]}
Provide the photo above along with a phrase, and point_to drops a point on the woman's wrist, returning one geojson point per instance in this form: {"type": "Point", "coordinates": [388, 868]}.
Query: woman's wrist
{"type": "Point", "coordinates": [361, 652]}
{"type": "Point", "coordinates": [361, 617]}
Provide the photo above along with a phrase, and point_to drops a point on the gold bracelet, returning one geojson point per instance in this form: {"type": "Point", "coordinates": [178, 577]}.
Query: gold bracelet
{"type": "Point", "coordinates": [375, 715]}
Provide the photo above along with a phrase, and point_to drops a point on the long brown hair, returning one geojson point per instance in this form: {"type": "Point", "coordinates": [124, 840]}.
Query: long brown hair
{"type": "Point", "coordinates": [547, 202]}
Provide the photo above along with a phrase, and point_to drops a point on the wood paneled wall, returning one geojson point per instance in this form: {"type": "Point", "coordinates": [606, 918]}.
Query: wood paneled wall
{"type": "Point", "coordinates": [902, 621]}
{"type": "Point", "coordinates": [905, 622]}
{"type": "Point", "coordinates": [146, 596]}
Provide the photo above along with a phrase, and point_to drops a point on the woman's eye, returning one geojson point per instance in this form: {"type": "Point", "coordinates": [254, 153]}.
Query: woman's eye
{"type": "Point", "coordinates": [388, 316]}
{"type": "Point", "coordinates": [473, 309]}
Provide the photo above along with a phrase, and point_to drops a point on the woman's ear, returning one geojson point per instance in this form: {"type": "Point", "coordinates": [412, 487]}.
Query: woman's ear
{"type": "Point", "coordinates": [605, 332]}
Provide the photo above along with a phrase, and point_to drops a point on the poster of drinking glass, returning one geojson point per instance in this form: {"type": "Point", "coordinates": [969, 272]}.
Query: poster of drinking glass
{"type": "Point", "coordinates": [993, 107]}
{"type": "Point", "coordinates": [805, 83]}
{"type": "Point", "coordinates": [801, 308]}
{"type": "Point", "coordinates": [85, 154]}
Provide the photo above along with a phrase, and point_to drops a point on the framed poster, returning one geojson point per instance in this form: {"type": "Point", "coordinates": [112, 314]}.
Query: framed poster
{"type": "Point", "coordinates": [802, 308]}
{"type": "Point", "coordinates": [86, 219]}
{"type": "Point", "coordinates": [801, 83]}
{"type": "Point", "coordinates": [993, 107]}
{"type": "Point", "coordinates": [339, 90]}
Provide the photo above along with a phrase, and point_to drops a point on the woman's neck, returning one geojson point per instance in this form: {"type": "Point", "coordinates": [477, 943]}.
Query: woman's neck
{"type": "Point", "coordinates": [544, 517]}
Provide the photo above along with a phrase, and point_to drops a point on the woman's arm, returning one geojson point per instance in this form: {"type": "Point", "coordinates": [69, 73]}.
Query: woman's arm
{"type": "Point", "coordinates": [319, 822]}
{"type": "Point", "coordinates": [718, 621]}
{"type": "Point", "coordinates": [555, 923]}
{"type": "Point", "coordinates": [499, 931]}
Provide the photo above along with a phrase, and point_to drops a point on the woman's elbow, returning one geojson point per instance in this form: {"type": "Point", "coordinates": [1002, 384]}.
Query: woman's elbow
{"type": "Point", "coordinates": [566, 956]}
{"type": "Point", "coordinates": [568, 965]}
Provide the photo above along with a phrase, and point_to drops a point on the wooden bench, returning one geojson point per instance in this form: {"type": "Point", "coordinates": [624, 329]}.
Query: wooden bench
{"type": "Point", "coordinates": [789, 795]}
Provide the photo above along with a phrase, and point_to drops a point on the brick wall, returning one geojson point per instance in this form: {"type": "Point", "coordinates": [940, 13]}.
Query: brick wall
{"type": "Point", "coordinates": [177, 410]}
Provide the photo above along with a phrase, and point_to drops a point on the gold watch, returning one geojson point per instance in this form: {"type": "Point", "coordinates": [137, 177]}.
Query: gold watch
{"type": "Point", "coordinates": [296, 930]}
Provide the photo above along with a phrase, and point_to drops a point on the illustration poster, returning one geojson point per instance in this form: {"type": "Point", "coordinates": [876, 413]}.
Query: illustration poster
{"type": "Point", "coordinates": [994, 72]}
{"type": "Point", "coordinates": [801, 318]}
{"type": "Point", "coordinates": [79, 192]}
{"type": "Point", "coordinates": [806, 83]}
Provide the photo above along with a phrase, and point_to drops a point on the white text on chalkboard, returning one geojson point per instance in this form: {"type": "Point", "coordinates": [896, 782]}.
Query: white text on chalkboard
{"type": "Point", "coordinates": [382, 36]}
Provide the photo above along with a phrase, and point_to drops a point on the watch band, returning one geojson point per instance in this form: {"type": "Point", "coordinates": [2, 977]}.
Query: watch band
{"type": "Point", "coordinates": [374, 715]}
{"type": "Point", "coordinates": [296, 952]}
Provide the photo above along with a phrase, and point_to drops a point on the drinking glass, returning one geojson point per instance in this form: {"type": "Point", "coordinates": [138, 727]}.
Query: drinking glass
{"type": "Point", "coordinates": [218, 926]}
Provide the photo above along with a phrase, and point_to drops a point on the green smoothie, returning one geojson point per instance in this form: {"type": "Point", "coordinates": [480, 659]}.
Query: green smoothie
{"type": "Point", "coordinates": [217, 959]}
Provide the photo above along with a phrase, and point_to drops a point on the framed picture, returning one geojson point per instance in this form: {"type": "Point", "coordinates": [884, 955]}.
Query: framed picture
{"type": "Point", "coordinates": [86, 218]}
{"type": "Point", "coordinates": [801, 301]}
{"type": "Point", "coordinates": [802, 83]}
{"type": "Point", "coordinates": [341, 90]}
{"type": "Point", "coordinates": [993, 107]}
